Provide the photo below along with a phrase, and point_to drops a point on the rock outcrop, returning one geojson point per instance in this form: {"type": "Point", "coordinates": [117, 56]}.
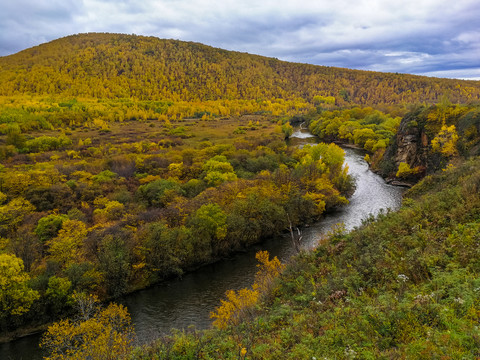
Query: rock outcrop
{"type": "Point", "coordinates": [410, 146]}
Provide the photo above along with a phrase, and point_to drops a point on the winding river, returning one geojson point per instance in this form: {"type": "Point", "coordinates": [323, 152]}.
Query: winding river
{"type": "Point", "coordinates": [189, 301]}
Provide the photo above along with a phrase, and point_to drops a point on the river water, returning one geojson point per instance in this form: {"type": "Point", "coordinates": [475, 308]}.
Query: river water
{"type": "Point", "coordinates": [188, 301]}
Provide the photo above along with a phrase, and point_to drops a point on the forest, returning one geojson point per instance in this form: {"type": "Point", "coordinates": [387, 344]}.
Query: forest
{"type": "Point", "coordinates": [109, 207]}
{"type": "Point", "coordinates": [128, 160]}
{"type": "Point", "coordinates": [112, 66]}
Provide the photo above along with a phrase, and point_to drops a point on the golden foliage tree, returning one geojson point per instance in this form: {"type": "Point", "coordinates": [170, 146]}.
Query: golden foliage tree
{"type": "Point", "coordinates": [66, 247]}
{"type": "Point", "coordinates": [239, 303]}
{"type": "Point", "coordinates": [446, 140]}
{"type": "Point", "coordinates": [16, 296]}
{"type": "Point", "coordinates": [404, 170]}
{"type": "Point", "coordinates": [12, 214]}
{"type": "Point", "coordinates": [105, 334]}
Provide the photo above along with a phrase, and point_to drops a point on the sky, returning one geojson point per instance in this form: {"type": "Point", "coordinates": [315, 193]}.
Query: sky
{"type": "Point", "coordinates": [426, 37]}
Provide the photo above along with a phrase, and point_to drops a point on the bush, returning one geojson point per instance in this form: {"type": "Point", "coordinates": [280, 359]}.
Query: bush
{"type": "Point", "coordinates": [46, 143]}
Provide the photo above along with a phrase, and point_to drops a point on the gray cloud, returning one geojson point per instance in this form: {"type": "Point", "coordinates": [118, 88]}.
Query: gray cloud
{"type": "Point", "coordinates": [432, 37]}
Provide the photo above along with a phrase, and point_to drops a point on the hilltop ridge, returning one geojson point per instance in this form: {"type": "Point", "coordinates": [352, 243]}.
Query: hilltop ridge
{"type": "Point", "coordinates": [102, 65]}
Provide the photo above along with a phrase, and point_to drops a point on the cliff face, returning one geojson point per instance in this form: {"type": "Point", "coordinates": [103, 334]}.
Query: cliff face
{"type": "Point", "coordinates": [410, 146]}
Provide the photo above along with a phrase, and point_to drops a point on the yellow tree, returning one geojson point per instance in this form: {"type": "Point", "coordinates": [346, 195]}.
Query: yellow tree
{"type": "Point", "coordinates": [66, 247]}
{"type": "Point", "coordinates": [105, 334]}
{"type": "Point", "coordinates": [446, 140]}
{"type": "Point", "coordinates": [12, 214]}
{"type": "Point", "coordinates": [404, 170]}
{"type": "Point", "coordinates": [267, 271]}
{"type": "Point", "coordinates": [16, 297]}
{"type": "Point", "coordinates": [239, 303]}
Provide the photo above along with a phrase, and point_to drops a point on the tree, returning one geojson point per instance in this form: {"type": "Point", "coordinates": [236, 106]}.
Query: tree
{"type": "Point", "coordinates": [12, 214]}
{"type": "Point", "coordinates": [105, 334]}
{"type": "Point", "coordinates": [234, 307]}
{"type": "Point", "coordinates": [49, 226]}
{"type": "Point", "coordinates": [66, 246]}
{"type": "Point", "coordinates": [164, 249]}
{"type": "Point", "coordinates": [218, 170]}
{"type": "Point", "coordinates": [114, 260]}
{"type": "Point", "coordinates": [159, 192]}
{"type": "Point", "coordinates": [210, 220]}
{"type": "Point", "coordinates": [209, 227]}
{"type": "Point", "coordinates": [287, 130]}
{"type": "Point", "coordinates": [405, 171]}
{"type": "Point", "coordinates": [59, 293]}
{"type": "Point", "coordinates": [267, 271]}
{"type": "Point", "coordinates": [112, 210]}
{"type": "Point", "coordinates": [239, 303]}
{"type": "Point", "coordinates": [446, 140]}
{"type": "Point", "coordinates": [16, 296]}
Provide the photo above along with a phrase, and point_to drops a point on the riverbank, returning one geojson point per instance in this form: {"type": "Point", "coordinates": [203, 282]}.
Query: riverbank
{"type": "Point", "coordinates": [190, 300]}
{"type": "Point", "coordinates": [402, 286]}
{"type": "Point", "coordinates": [23, 332]}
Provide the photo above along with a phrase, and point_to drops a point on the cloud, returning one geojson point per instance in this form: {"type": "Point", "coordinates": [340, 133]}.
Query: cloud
{"type": "Point", "coordinates": [414, 36]}
{"type": "Point", "coordinates": [25, 23]}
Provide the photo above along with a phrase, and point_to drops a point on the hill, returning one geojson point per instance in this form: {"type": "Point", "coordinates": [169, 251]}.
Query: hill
{"type": "Point", "coordinates": [98, 65]}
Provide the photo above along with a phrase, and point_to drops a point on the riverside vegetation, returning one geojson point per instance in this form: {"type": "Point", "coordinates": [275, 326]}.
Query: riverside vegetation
{"type": "Point", "coordinates": [122, 167]}
{"type": "Point", "coordinates": [115, 214]}
{"type": "Point", "coordinates": [402, 286]}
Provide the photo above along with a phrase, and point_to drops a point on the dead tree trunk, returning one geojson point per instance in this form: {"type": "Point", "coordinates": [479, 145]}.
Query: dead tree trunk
{"type": "Point", "coordinates": [296, 239]}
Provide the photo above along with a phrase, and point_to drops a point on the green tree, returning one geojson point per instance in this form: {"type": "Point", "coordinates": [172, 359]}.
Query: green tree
{"type": "Point", "coordinates": [159, 192]}
{"type": "Point", "coordinates": [218, 170]}
{"type": "Point", "coordinates": [287, 130]}
{"type": "Point", "coordinates": [209, 227]}
{"type": "Point", "coordinates": [49, 226]}
{"type": "Point", "coordinates": [59, 293]}
{"type": "Point", "coordinates": [165, 249]}
{"type": "Point", "coordinates": [211, 220]}
{"type": "Point", "coordinates": [114, 261]}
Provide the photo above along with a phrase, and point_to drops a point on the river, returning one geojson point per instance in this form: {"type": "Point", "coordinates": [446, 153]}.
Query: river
{"type": "Point", "coordinates": [188, 301]}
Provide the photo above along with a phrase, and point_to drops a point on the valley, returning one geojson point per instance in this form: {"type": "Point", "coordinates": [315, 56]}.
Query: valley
{"type": "Point", "coordinates": [129, 161]}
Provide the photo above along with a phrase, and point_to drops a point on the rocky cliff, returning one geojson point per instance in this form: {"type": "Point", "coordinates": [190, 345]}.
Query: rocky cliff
{"type": "Point", "coordinates": [412, 144]}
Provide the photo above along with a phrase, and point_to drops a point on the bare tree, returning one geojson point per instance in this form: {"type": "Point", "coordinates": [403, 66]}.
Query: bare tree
{"type": "Point", "coordinates": [296, 239]}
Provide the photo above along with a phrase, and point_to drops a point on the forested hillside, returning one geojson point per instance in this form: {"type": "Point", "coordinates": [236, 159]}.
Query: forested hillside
{"type": "Point", "coordinates": [129, 66]}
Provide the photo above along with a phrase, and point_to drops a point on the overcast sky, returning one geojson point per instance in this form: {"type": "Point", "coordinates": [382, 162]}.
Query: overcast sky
{"type": "Point", "coordinates": [428, 37]}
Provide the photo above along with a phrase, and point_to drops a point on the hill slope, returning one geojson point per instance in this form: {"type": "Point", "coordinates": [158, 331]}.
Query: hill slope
{"type": "Point", "coordinates": [115, 65]}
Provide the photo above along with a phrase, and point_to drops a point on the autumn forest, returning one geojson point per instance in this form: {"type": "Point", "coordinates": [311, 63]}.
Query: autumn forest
{"type": "Point", "coordinates": [129, 160]}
